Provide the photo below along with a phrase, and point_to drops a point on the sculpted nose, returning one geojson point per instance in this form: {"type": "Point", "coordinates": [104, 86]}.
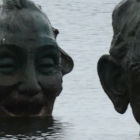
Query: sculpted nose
{"type": "Point", "coordinates": [30, 85]}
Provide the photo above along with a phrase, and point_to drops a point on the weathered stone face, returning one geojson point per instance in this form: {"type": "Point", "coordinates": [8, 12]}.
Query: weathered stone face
{"type": "Point", "coordinates": [133, 79]}
{"type": "Point", "coordinates": [31, 62]}
{"type": "Point", "coordinates": [119, 72]}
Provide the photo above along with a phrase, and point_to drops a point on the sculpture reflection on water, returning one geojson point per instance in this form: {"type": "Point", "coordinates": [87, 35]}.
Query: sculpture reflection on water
{"type": "Point", "coordinates": [30, 127]}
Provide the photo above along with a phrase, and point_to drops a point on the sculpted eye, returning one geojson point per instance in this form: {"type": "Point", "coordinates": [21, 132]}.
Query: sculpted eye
{"type": "Point", "coordinates": [46, 66]}
{"type": "Point", "coordinates": [7, 65]}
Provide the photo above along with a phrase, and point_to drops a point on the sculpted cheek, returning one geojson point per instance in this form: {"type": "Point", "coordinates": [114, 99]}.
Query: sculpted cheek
{"type": "Point", "coordinates": [51, 85]}
{"type": "Point", "coordinates": [5, 92]}
{"type": "Point", "coordinates": [8, 80]}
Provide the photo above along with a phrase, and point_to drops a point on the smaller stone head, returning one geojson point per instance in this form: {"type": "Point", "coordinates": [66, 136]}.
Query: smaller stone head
{"type": "Point", "coordinates": [119, 72]}
{"type": "Point", "coordinates": [31, 62]}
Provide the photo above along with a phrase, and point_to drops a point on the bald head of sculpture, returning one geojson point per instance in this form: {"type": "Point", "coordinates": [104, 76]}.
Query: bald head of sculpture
{"type": "Point", "coordinates": [31, 62]}
{"type": "Point", "coordinates": [119, 71]}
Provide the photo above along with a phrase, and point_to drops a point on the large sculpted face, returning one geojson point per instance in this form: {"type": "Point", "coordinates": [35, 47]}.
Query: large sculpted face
{"type": "Point", "coordinates": [121, 80]}
{"type": "Point", "coordinates": [31, 63]}
{"type": "Point", "coordinates": [119, 71]}
{"type": "Point", "coordinates": [133, 75]}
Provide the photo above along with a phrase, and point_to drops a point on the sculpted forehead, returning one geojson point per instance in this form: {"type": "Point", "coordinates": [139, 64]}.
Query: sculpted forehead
{"type": "Point", "coordinates": [25, 27]}
{"type": "Point", "coordinates": [31, 42]}
{"type": "Point", "coordinates": [18, 50]}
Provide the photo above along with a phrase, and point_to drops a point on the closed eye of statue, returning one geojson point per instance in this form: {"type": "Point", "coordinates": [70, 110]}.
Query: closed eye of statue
{"type": "Point", "coordinates": [46, 66]}
{"type": "Point", "coordinates": [7, 65]}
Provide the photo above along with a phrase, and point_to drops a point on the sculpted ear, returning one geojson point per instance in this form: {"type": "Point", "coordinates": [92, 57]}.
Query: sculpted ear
{"type": "Point", "coordinates": [113, 81]}
{"type": "Point", "coordinates": [55, 31]}
{"type": "Point", "coordinates": [67, 63]}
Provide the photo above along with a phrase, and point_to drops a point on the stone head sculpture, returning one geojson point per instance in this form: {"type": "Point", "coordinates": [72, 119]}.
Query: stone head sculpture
{"type": "Point", "coordinates": [119, 71]}
{"type": "Point", "coordinates": [31, 62]}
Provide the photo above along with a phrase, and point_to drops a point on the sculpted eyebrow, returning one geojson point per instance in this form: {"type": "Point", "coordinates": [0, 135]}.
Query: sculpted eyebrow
{"type": "Point", "coordinates": [13, 51]}
{"type": "Point", "coordinates": [13, 48]}
{"type": "Point", "coordinates": [48, 50]}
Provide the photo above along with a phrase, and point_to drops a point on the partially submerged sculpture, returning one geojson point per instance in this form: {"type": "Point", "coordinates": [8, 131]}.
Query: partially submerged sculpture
{"type": "Point", "coordinates": [31, 62]}
{"type": "Point", "coordinates": [119, 71]}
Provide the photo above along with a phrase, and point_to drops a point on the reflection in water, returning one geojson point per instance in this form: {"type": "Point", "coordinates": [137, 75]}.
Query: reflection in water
{"type": "Point", "coordinates": [30, 128]}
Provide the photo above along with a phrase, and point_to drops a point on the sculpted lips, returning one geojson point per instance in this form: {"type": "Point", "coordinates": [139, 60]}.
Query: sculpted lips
{"type": "Point", "coordinates": [24, 107]}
